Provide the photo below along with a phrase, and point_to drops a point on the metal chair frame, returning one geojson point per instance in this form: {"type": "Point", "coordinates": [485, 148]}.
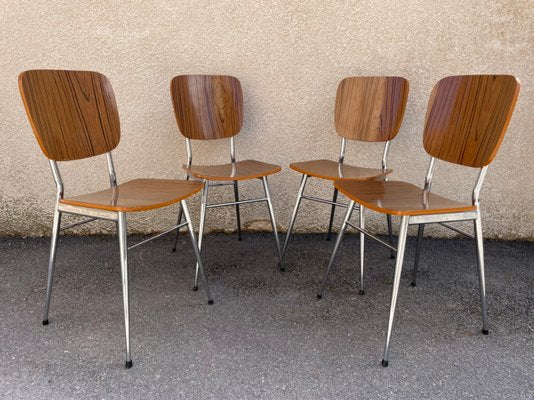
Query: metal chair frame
{"type": "Point", "coordinates": [205, 206]}
{"type": "Point", "coordinates": [421, 220]}
{"type": "Point", "coordinates": [120, 219]}
{"type": "Point", "coordinates": [334, 203]}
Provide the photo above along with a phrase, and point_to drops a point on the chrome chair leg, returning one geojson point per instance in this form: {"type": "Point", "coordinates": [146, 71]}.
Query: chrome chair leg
{"type": "Point", "coordinates": [52, 262]}
{"type": "Point", "coordinates": [196, 250]}
{"type": "Point", "coordinates": [336, 246]}
{"type": "Point", "coordinates": [390, 234]}
{"type": "Point", "coordinates": [420, 231]}
{"type": "Point", "coordinates": [180, 213]}
{"type": "Point", "coordinates": [481, 277]}
{"type": "Point", "coordinates": [124, 274]}
{"type": "Point", "coordinates": [203, 204]}
{"type": "Point", "coordinates": [396, 282]}
{"type": "Point", "coordinates": [237, 214]}
{"type": "Point", "coordinates": [273, 222]}
{"type": "Point", "coordinates": [332, 213]}
{"type": "Point", "coordinates": [294, 215]}
{"type": "Point", "coordinates": [362, 248]}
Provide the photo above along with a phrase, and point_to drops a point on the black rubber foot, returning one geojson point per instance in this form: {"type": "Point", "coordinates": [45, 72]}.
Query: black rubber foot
{"type": "Point", "coordinates": [412, 284]}
{"type": "Point", "coordinates": [319, 296]}
{"type": "Point", "coordinates": [391, 257]}
{"type": "Point", "coordinates": [174, 249]}
{"type": "Point", "coordinates": [210, 302]}
{"type": "Point", "coordinates": [45, 322]}
{"type": "Point", "coordinates": [282, 269]}
{"type": "Point", "coordinates": [195, 288]}
{"type": "Point", "coordinates": [362, 292]}
{"type": "Point", "coordinates": [128, 364]}
{"type": "Point", "coordinates": [328, 238]}
{"type": "Point", "coordinates": [485, 332]}
{"type": "Point", "coordinates": [385, 363]}
{"type": "Point", "coordinates": [240, 238]}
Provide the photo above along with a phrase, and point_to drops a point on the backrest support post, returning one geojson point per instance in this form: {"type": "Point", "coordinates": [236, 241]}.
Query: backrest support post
{"type": "Point", "coordinates": [111, 171]}
{"type": "Point", "coordinates": [478, 185]}
{"type": "Point", "coordinates": [189, 151]}
{"type": "Point", "coordinates": [57, 179]}
{"type": "Point", "coordinates": [342, 150]}
{"type": "Point", "coordinates": [429, 173]}
{"type": "Point", "coordinates": [232, 149]}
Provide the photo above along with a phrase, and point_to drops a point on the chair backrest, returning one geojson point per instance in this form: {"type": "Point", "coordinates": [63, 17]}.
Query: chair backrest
{"type": "Point", "coordinates": [370, 109]}
{"type": "Point", "coordinates": [207, 106]}
{"type": "Point", "coordinates": [73, 113]}
{"type": "Point", "coordinates": [467, 117]}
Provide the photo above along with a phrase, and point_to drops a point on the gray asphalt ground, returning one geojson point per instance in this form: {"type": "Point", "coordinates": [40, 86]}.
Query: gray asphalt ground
{"type": "Point", "coordinates": [266, 336]}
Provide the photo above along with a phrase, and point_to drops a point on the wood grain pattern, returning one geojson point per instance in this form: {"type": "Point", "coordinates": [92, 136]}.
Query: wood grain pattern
{"type": "Point", "coordinates": [467, 117]}
{"type": "Point", "coordinates": [398, 198]}
{"type": "Point", "coordinates": [207, 106]}
{"type": "Point", "coordinates": [238, 171]}
{"type": "Point", "coordinates": [137, 195]}
{"type": "Point", "coordinates": [332, 170]}
{"type": "Point", "coordinates": [73, 113]}
{"type": "Point", "coordinates": [370, 108]}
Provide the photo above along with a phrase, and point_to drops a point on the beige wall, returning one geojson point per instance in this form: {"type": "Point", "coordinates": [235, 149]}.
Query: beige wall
{"type": "Point", "coordinates": [289, 56]}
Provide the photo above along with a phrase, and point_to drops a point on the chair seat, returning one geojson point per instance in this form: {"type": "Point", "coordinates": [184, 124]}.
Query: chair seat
{"type": "Point", "coordinates": [137, 195]}
{"type": "Point", "coordinates": [332, 170]}
{"type": "Point", "coordinates": [238, 171]}
{"type": "Point", "coordinates": [398, 198]}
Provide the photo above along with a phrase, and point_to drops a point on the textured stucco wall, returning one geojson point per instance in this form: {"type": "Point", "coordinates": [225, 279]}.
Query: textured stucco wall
{"type": "Point", "coordinates": [289, 56]}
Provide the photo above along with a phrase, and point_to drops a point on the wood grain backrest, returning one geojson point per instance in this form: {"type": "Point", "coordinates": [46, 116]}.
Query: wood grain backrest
{"type": "Point", "coordinates": [73, 113]}
{"type": "Point", "coordinates": [207, 106]}
{"type": "Point", "coordinates": [370, 109]}
{"type": "Point", "coordinates": [467, 117]}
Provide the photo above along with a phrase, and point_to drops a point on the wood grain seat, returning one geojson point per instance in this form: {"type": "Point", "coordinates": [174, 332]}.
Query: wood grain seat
{"type": "Point", "coordinates": [237, 171]}
{"type": "Point", "coordinates": [137, 195]}
{"type": "Point", "coordinates": [399, 198]}
{"type": "Point", "coordinates": [332, 170]}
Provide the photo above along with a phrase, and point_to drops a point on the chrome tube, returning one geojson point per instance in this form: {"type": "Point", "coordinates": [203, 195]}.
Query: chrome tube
{"type": "Point", "coordinates": [57, 178]}
{"type": "Point", "coordinates": [196, 249]}
{"type": "Point", "coordinates": [481, 274]}
{"type": "Point", "coordinates": [52, 262]}
{"type": "Point", "coordinates": [362, 248]}
{"type": "Point", "coordinates": [111, 170]}
{"type": "Point", "coordinates": [294, 215]}
{"type": "Point", "coordinates": [189, 152]}
{"type": "Point", "coordinates": [273, 222]}
{"type": "Point", "coordinates": [342, 150]}
{"type": "Point", "coordinates": [385, 157]}
{"type": "Point", "coordinates": [203, 208]}
{"type": "Point", "coordinates": [124, 274]}
{"type": "Point", "coordinates": [332, 214]}
{"type": "Point", "coordinates": [403, 233]}
{"type": "Point", "coordinates": [429, 174]}
{"type": "Point", "coordinates": [478, 185]}
{"type": "Point", "coordinates": [232, 149]}
{"type": "Point", "coordinates": [420, 232]}
{"type": "Point", "coordinates": [348, 214]}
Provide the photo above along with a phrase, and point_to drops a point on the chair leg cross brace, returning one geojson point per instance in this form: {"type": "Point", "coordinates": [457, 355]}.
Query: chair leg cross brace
{"type": "Point", "coordinates": [403, 233]}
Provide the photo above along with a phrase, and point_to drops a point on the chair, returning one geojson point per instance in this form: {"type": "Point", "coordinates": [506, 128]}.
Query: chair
{"type": "Point", "coordinates": [209, 107]}
{"type": "Point", "coordinates": [74, 116]}
{"type": "Point", "coordinates": [466, 119]}
{"type": "Point", "coordinates": [368, 109]}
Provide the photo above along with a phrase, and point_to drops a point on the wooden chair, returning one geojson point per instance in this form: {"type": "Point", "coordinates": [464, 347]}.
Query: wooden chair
{"type": "Point", "coordinates": [368, 109]}
{"type": "Point", "coordinates": [466, 120]}
{"type": "Point", "coordinates": [74, 116]}
{"type": "Point", "coordinates": [209, 107]}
